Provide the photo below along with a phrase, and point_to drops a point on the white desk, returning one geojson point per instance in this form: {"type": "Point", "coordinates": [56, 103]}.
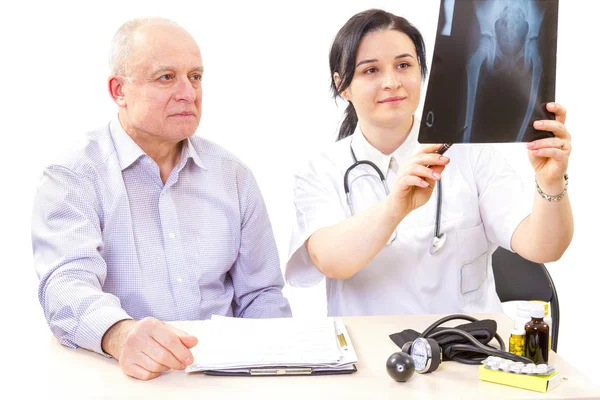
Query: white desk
{"type": "Point", "coordinates": [65, 373]}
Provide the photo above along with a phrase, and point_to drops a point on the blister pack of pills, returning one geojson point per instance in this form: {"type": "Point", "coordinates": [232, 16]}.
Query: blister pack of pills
{"type": "Point", "coordinates": [504, 365]}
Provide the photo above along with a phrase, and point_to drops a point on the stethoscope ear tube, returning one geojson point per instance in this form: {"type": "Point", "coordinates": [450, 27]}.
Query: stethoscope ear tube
{"type": "Point", "coordinates": [356, 164]}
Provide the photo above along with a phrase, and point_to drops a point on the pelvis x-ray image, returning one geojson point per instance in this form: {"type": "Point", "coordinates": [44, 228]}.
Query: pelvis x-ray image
{"type": "Point", "coordinates": [493, 71]}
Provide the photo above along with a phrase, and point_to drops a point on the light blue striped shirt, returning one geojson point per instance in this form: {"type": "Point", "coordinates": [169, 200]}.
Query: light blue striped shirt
{"type": "Point", "coordinates": [111, 241]}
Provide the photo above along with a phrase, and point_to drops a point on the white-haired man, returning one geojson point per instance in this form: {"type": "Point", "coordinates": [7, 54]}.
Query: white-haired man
{"type": "Point", "coordinates": [149, 223]}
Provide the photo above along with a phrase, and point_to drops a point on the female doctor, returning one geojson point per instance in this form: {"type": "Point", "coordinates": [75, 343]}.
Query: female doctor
{"type": "Point", "coordinates": [374, 236]}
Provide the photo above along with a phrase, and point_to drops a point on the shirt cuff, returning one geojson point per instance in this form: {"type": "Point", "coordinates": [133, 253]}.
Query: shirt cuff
{"type": "Point", "coordinates": [94, 325]}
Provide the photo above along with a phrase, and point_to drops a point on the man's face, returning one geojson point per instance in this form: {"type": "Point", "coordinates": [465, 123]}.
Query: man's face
{"type": "Point", "coordinates": [163, 96]}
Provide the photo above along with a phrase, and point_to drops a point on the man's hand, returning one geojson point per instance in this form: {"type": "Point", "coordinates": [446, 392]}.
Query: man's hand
{"type": "Point", "coordinates": [148, 347]}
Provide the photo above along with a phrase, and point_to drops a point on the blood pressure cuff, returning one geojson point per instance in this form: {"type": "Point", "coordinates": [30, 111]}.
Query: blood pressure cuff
{"type": "Point", "coordinates": [453, 345]}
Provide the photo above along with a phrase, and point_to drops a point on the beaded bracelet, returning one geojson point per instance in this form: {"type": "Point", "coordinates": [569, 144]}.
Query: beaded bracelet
{"type": "Point", "coordinates": [558, 196]}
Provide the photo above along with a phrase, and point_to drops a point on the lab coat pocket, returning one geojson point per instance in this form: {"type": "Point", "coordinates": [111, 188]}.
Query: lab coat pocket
{"type": "Point", "coordinates": [473, 250]}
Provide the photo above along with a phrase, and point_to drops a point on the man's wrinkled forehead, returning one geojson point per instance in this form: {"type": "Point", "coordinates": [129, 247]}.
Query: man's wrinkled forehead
{"type": "Point", "coordinates": [165, 46]}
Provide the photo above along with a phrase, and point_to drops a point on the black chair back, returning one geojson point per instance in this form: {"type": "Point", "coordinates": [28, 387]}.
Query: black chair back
{"type": "Point", "coordinates": [520, 279]}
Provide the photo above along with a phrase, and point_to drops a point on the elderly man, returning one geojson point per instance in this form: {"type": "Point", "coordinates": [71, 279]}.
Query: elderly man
{"type": "Point", "coordinates": [149, 223]}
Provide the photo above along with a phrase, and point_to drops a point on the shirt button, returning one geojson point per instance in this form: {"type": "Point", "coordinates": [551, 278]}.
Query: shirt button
{"type": "Point", "coordinates": [172, 235]}
{"type": "Point", "coordinates": [179, 279]}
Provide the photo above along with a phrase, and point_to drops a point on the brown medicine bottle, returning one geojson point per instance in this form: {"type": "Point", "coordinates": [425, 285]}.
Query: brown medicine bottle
{"type": "Point", "coordinates": [537, 336]}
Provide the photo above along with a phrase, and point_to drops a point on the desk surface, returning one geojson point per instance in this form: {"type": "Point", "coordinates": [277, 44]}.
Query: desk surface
{"type": "Point", "coordinates": [66, 373]}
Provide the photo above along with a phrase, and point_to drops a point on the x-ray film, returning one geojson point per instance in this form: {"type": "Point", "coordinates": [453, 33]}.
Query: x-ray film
{"type": "Point", "coordinates": [493, 71]}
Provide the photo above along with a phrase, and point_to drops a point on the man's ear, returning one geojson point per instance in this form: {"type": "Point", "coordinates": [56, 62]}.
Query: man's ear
{"type": "Point", "coordinates": [115, 89]}
{"type": "Point", "coordinates": [338, 81]}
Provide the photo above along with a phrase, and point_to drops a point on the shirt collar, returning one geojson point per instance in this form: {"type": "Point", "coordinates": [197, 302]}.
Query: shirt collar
{"type": "Point", "coordinates": [128, 150]}
{"type": "Point", "coordinates": [189, 151]}
{"type": "Point", "coordinates": [365, 150]}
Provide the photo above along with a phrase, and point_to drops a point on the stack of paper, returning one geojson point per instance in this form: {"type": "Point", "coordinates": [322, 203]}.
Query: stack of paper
{"type": "Point", "coordinates": [272, 346]}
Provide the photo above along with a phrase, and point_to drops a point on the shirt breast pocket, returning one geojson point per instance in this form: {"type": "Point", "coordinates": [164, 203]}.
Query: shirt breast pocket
{"type": "Point", "coordinates": [473, 256]}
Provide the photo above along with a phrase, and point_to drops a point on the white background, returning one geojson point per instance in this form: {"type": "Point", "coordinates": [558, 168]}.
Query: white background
{"type": "Point", "coordinates": [265, 86]}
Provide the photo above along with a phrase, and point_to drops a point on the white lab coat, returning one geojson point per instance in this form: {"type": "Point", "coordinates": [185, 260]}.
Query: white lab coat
{"type": "Point", "coordinates": [484, 201]}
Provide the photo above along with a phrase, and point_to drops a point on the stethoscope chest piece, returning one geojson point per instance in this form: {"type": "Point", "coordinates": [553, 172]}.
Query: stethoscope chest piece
{"type": "Point", "coordinates": [437, 243]}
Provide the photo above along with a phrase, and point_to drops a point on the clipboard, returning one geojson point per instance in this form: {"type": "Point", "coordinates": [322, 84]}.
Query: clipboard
{"type": "Point", "coordinates": [273, 347]}
{"type": "Point", "coordinates": [283, 371]}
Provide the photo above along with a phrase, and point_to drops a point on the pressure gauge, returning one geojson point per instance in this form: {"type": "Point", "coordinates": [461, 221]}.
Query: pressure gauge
{"type": "Point", "coordinates": [426, 354]}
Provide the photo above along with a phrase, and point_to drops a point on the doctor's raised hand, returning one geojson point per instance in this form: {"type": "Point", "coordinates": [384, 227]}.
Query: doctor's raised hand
{"type": "Point", "coordinates": [416, 180]}
{"type": "Point", "coordinates": [366, 219]}
{"type": "Point", "coordinates": [545, 234]}
{"type": "Point", "coordinates": [550, 156]}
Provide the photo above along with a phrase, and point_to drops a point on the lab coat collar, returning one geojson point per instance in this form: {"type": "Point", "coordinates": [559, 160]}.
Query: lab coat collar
{"type": "Point", "coordinates": [366, 151]}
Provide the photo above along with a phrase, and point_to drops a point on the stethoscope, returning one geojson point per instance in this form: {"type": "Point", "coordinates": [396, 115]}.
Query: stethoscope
{"type": "Point", "coordinates": [439, 238]}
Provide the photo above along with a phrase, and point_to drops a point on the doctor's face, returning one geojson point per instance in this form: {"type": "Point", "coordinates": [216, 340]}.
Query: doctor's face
{"type": "Point", "coordinates": [386, 87]}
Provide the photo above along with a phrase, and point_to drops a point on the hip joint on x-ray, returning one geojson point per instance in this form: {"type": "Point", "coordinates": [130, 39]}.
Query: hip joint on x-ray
{"type": "Point", "coordinates": [508, 43]}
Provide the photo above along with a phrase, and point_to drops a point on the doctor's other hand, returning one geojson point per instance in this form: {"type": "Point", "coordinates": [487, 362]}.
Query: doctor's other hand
{"type": "Point", "coordinates": [415, 181]}
{"type": "Point", "coordinates": [148, 347]}
{"type": "Point", "coordinates": [550, 156]}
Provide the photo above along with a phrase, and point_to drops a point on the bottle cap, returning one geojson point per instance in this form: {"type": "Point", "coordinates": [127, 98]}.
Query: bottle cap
{"type": "Point", "coordinates": [518, 331]}
{"type": "Point", "coordinates": [523, 313]}
{"type": "Point", "coordinates": [523, 308]}
{"type": "Point", "coordinates": [544, 303]}
{"type": "Point", "coordinates": [537, 310]}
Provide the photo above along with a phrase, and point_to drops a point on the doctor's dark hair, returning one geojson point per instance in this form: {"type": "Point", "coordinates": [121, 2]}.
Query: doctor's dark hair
{"type": "Point", "coordinates": [342, 56]}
